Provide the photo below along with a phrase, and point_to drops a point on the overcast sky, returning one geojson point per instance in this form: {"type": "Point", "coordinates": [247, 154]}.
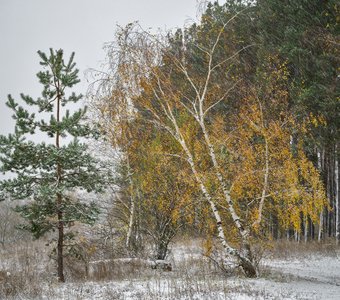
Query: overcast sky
{"type": "Point", "coordinates": [82, 26]}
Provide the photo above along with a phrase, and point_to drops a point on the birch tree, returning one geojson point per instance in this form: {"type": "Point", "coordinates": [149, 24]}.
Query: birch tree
{"type": "Point", "coordinates": [181, 87]}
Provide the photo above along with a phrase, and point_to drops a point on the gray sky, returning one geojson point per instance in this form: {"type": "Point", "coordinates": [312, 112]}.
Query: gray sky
{"type": "Point", "coordinates": [82, 26]}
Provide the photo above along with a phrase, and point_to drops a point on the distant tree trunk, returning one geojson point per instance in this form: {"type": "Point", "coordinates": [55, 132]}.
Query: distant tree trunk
{"type": "Point", "coordinates": [297, 235]}
{"type": "Point", "coordinates": [311, 229]}
{"type": "Point", "coordinates": [306, 229]}
{"type": "Point", "coordinates": [131, 222]}
{"type": "Point", "coordinates": [328, 222]}
{"type": "Point", "coordinates": [337, 233]}
{"type": "Point", "coordinates": [320, 227]}
{"type": "Point", "coordinates": [321, 214]}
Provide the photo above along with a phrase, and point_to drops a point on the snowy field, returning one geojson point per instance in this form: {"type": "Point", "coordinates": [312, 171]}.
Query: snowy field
{"type": "Point", "coordinates": [315, 278]}
{"type": "Point", "coordinates": [308, 276]}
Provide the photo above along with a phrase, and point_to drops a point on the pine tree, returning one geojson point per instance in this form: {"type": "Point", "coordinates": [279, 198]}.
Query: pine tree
{"type": "Point", "coordinates": [47, 173]}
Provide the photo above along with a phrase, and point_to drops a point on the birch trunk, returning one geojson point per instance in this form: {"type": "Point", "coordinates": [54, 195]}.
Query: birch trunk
{"type": "Point", "coordinates": [245, 258]}
{"type": "Point", "coordinates": [236, 219]}
{"type": "Point", "coordinates": [131, 222]}
{"type": "Point", "coordinates": [132, 210]}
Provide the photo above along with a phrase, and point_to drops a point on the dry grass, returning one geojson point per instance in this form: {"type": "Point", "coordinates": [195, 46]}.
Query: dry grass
{"type": "Point", "coordinates": [119, 269]}
{"type": "Point", "coordinates": [286, 249]}
{"type": "Point", "coordinates": [26, 272]}
{"type": "Point", "coordinates": [25, 267]}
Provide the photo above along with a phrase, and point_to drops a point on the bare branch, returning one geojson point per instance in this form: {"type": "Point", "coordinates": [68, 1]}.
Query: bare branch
{"type": "Point", "coordinates": [231, 57]}
{"type": "Point", "coordinates": [221, 99]}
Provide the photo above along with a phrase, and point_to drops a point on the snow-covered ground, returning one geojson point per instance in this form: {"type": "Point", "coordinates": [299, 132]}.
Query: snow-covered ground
{"type": "Point", "coordinates": [312, 276]}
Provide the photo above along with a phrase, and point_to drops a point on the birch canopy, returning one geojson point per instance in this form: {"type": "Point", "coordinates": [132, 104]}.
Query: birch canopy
{"type": "Point", "coordinates": [235, 136]}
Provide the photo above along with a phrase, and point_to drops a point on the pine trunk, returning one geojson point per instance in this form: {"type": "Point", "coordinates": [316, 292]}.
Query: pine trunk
{"type": "Point", "coordinates": [60, 256]}
{"type": "Point", "coordinates": [60, 246]}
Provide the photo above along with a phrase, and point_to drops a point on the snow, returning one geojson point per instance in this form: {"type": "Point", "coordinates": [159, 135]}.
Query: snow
{"type": "Point", "coordinates": [314, 276]}
{"type": "Point", "coordinates": [310, 277]}
{"type": "Point", "coordinates": [240, 289]}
